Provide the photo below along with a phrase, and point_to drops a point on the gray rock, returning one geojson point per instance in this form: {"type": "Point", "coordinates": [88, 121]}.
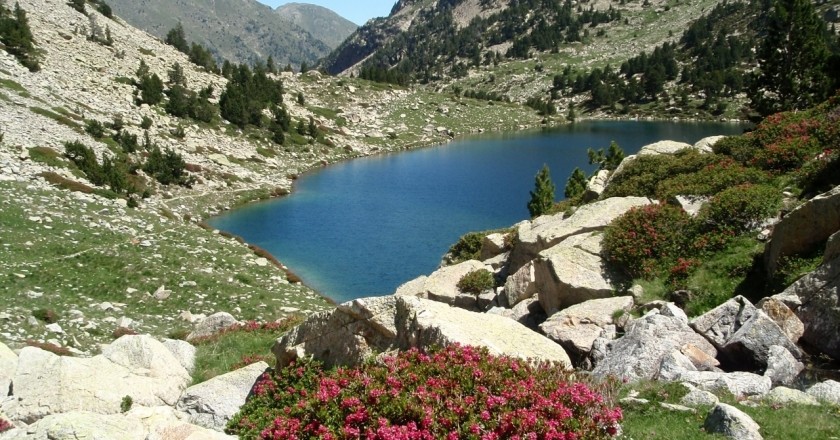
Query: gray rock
{"type": "Point", "coordinates": [487, 300]}
{"type": "Point", "coordinates": [671, 309]}
{"type": "Point", "coordinates": [739, 383]}
{"type": "Point", "coordinates": [818, 295]}
{"type": "Point", "coordinates": [566, 276]}
{"type": "Point", "coordinates": [789, 396]}
{"type": "Point", "coordinates": [76, 425]}
{"type": "Point", "coordinates": [742, 333]}
{"type": "Point", "coordinates": [135, 366]}
{"type": "Point", "coordinates": [638, 354]}
{"type": "Point", "coordinates": [528, 313]}
{"type": "Point", "coordinates": [782, 367]}
{"type": "Point", "coordinates": [663, 147]}
{"type": "Point", "coordinates": [213, 403]}
{"type": "Point", "coordinates": [492, 245]}
{"type": "Point", "coordinates": [678, 408]}
{"type": "Point", "coordinates": [521, 285]}
{"type": "Point", "coordinates": [211, 325]}
{"type": "Point", "coordinates": [358, 329]}
{"type": "Point", "coordinates": [413, 287]}
{"type": "Point", "coordinates": [442, 285]}
{"type": "Point", "coordinates": [783, 316]}
{"type": "Point", "coordinates": [547, 231]}
{"type": "Point", "coordinates": [697, 397]}
{"type": "Point", "coordinates": [8, 365]}
{"type": "Point", "coordinates": [692, 204]}
{"type": "Point", "coordinates": [183, 351]}
{"type": "Point", "coordinates": [731, 422]}
{"type": "Point", "coordinates": [809, 224]}
{"type": "Point", "coordinates": [596, 185]}
{"type": "Point", "coordinates": [577, 327]}
{"type": "Point", "coordinates": [673, 365]}
{"type": "Point", "coordinates": [832, 248]}
{"type": "Point", "coordinates": [827, 391]}
{"type": "Point", "coordinates": [705, 145]}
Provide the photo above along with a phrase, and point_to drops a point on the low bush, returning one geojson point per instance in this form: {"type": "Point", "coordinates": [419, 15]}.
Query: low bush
{"type": "Point", "coordinates": [476, 281]}
{"type": "Point", "coordinates": [468, 247]}
{"type": "Point", "coordinates": [126, 404]}
{"type": "Point", "coordinates": [647, 241]}
{"type": "Point", "coordinates": [709, 180]}
{"type": "Point", "coordinates": [642, 176]}
{"type": "Point", "coordinates": [95, 128]}
{"type": "Point", "coordinates": [740, 208]}
{"type": "Point", "coordinates": [52, 348]}
{"type": "Point", "coordinates": [452, 393]}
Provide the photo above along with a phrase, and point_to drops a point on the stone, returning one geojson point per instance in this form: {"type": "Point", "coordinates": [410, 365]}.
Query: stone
{"type": "Point", "coordinates": [697, 397]}
{"type": "Point", "coordinates": [136, 366]}
{"type": "Point", "coordinates": [699, 358]}
{"type": "Point", "coordinates": [783, 316]}
{"type": "Point", "coordinates": [789, 396]}
{"type": "Point", "coordinates": [521, 285]}
{"type": "Point", "coordinates": [827, 391]}
{"type": "Point", "coordinates": [211, 325]}
{"type": "Point", "coordinates": [832, 248]}
{"type": "Point", "coordinates": [692, 204]}
{"type": "Point", "coordinates": [547, 231]}
{"type": "Point", "coordinates": [442, 285]}
{"type": "Point", "coordinates": [213, 403]}
{"type": "Point", "coordinates": [220, 159]}
{"type": "Point", "coordinates": [705, 145]}
{"type": "Point", "coordinates": [8, 365]}
{"type": "Point", "coordinates": [566, 276]}
{"type": "Point", "coordinates": [663, 147]}
{"type": "Point", "coordinates": [742, 333]}
{"type": "Point", "coordinates": [162, 293]}
{"type": "Point", "coordinates": [807, 225]}
{"type": "Point", "coordinates": [678, 408]}
{"type": "Point", "coordinates": [76, 425]}
{"type": "Point", "coordinates": [818, 298]}
{"type": "Point", "coordinates": [732, 423]}
{"type": "Point", "coordinates": [528, 313]}
{"type": "Point", "coordinates": [358, 329]}
{"type": "Point", "coordinates": [577, 327]}
{"type": "Point", "coordinates": [413, 287]}
{"type": "Point", "coordinates": [673, 365]}
{"type": "Point", "coordinates": [739, 383]}
{"type": "Point", "coordinates": [487, 300]}
{"type": "Point", "coordinates": [183, 351]}
{"type": "Point", "coordinates": [596, 185]}
{"type": "Point", "coordinates": [671, 309]}
{"type": "Point", "coordinates": [492, 245]}
{"type": "Point", "coordinates": [782, 367]}
{"type": "Point", "coordinates": [639, 353]}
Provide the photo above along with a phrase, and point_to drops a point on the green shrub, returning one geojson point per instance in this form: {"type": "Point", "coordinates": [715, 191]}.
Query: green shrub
{"type": "Point", "coordinates": [455, 392]}
{"type": "Point", "coordinates": [647, 241]}
{"type": "Point", "coordinates": [740, 208]}
{"type": "Point", "coordinates": [710, 179]}
{"type": "Point", "coordinates": [126, 404]}
{"type": "Point", "coordinates": [468, 247]}
{"type": "Point", "coordinates": [542, 197]}
{"type": "Point", "coordinates": [476, 281]}
{"type": "Point", "coordinates": [95, 128]}
{"type": "Point", "coordinates": [643, 175]}
{"type": "Point", "coordinates": [167, 167]}
{"type": "Point", "coordinates": [146, 123]}
{"type": "Point", "coordinates": [740, 148]}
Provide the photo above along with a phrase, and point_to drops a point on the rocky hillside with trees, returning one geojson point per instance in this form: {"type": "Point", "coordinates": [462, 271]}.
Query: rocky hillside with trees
{"type": "Point", "coordinates": [322, 23]}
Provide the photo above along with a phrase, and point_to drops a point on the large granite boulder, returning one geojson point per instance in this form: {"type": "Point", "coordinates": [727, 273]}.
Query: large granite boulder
{"type": "Point", "coordinates": [832, 248]}
{"type": "Point", "coordinates": [358, 329]}
{"type": "Point", "coordinates": [492, 245]}
{"type": "Point", "coordinates": [783, 316]}
{"type": "Point", "coordinates": [566, 276]}
{"type": "Point", "coordinates": [663, 147]}
{"type": "Point", "coordinates": [76, 425]}
{"type": "Point", "coordinates": [782, 367]}
{"type": "Point", "coordinates": [442, 285]}
{"type": "Point", "coordinates": [738, 383]}
{"type": "Point", "coordinates": [547, 231]}
{"type": "Point", "coordinates": [135, 366]}
{"type": "Point", "coordinates": [596, 185]}
{"type": "Point", "coordinates": [806, 226]}
{"type": "Point", "coordinates": [183, 351]}
{"type": "Point", "coordinates": [211, 325]}
{"type": "Point", "coordinates": [827, 391]}
{"type": "Point", "coordinates": [818, 298]}
{"type": "Point", "coordinates": [8, 365]}
{"type": "Point", "coordinates": [521, 285]}
{"type": "Point", "coordinates": [577, 327]}
{"type": "Point", "coordinates": [732, 423]}
{"type": "Point", "coordinates": [706, 144]}
{"type": "Point", "coordinates": [742, 333]}
{"type": "Point", "coordinates": [213, 403]}
{"type": "Point", "coordinates": [639, 353]}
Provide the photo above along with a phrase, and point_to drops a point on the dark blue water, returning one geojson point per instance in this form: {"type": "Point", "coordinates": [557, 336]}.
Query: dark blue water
{"type": "Point", "coordinates": [363, 227]}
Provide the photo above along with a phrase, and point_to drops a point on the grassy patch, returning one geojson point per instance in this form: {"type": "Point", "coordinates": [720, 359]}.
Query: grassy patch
{"type": "Point", "coordinates": [147, 52]}
{"type": "Point", "coordinates": [61, 119]}
{"type": "Point", "coordinates": [238, 347]}
{"type": "Point", "coordinates": [13, 86]}
{"type": "Point", "coordinates": [724, 274]}
{"type": "Point", "coordinates": [48, 156]}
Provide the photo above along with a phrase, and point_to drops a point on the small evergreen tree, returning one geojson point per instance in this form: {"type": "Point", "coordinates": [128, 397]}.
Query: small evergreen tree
{"type": "Point", "coordinates": [151, 90]}
{"type": "Point", "coordinates": [608, 160]}
{"type": "Point", "coordinates": [177, 76]}
{"type": "Point", "coordinates": [78, 5]}
{"type": "Point", "coordinates": [16, 36]}
{"type": "Point", "coordinates": [542, 197]}
{"type": "Point", "coordinates": [176, 38]}
{"type": "Point", "coordinates": [576, 185]}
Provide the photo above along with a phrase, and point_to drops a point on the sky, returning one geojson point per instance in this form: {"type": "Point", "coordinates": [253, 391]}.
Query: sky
{"type": "Point", "coordinates": [357, 11]}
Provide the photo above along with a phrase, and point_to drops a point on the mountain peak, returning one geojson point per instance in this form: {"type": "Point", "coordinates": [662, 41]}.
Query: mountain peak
{"type": "Point", "coordinates": [322, 23]}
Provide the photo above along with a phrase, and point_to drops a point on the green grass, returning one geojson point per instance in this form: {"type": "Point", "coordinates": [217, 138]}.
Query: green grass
{"type": "Point", "coordinates": [233, 349]}
{"type": "Point", "coordinates": [13, 86]}
{"type": "Point", "coordinates": [724, 274]}
{"type": "Point", "coordinates": [48, 156]}
{"type": "Point", "coordinates": [61, 119]}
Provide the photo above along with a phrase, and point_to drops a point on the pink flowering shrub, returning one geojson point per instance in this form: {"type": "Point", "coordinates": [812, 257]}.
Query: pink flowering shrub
{"type": "Point", "coordinates": [455, 393]}
{"type": "Point", "coordinates": [5, 425]}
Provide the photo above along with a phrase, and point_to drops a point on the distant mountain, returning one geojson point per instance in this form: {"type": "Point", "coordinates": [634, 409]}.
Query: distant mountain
{"type": "Point", "coordinates": [320, 22]}
{"type": "Point", "coordinates": [236, 30]}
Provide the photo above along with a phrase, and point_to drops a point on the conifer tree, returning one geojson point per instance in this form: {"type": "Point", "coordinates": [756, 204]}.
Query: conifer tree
{"type": "Point", "coordinates": [542, 197]}
{"type": "Point", "coordinates": [576, 185]}
{"type": "Point", "coordinates": [176, 37]}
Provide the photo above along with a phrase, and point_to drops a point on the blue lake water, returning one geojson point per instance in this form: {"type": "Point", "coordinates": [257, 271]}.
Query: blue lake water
{"type": "Point", "coordinates": [363, 227]}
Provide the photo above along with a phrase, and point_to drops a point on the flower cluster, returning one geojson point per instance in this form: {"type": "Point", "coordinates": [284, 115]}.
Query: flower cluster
{"type": "Point", "coordinates": [458, 392]}
{"type": "Point", "coordinates": [5, 425]}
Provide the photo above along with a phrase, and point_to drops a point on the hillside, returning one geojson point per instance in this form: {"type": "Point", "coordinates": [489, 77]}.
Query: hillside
{"type": "Point", "coordinates": [74, 247]}
{"type": "Point", "coordinates": [322, 23]}
{"type": "Point", "coordinates": [242, 31]}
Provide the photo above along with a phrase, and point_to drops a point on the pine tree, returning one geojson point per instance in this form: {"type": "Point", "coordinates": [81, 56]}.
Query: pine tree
{"type": "Point", "coordinates": [608, 160]}
{"type": "Point", "coordinates": [793, 59]}
{"type": "Point", "coordinates": [542, 197]}
{"type": "Point", "coordinates": [576, 185]}
{"type": "Point", "coordinates": [176, 37]}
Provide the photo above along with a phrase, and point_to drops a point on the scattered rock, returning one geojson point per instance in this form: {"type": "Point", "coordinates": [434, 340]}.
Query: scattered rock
{"type": "Point", "coordinates": [692, 204]}
{"type": "Point", "coordinates": [739, 383]}
{"type": "Point", "coordinates": [789, 396]}
{"type": "Point", "coordinates": [213, 403]}
{"type": "Point", "coordinates": [705, 145]}
{"type": "Point", "coordinates": [782, 367]}
{"type": "Point", "coordinates": [731, 422]}
{"type": "Point", "coordinates": [828, 391]}
{"type": "Point", "coordinates": [211, 325]}
{"type": "Point", "coordinates": [663, 147]}
{"type": "Point", "coordinates": [566, 276]}
{"type": "Point", "coordinates": [521, 285]}
{"type": "Point", "coordinates": [596, 185]}
{"type": "Point", "coordinates": [697, 397]}
{"type": "Point", "coordinates": [819, 306]}
{"type": "Point", "coordinates": [442, 285]}
{"type": "Point", "coordinates": [577, 327]}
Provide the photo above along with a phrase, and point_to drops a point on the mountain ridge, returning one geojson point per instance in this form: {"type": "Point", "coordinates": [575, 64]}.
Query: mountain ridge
{"type": "Point", "coordinates": [322, 23]}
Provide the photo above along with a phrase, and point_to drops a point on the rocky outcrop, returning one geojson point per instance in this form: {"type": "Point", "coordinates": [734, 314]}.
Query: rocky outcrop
{"type": "Point", "coordinates": [358, 329]}
{"type": "Point", "coordinates": [706, 144]}
{"type": "Point", "coordinates": [8, 365]}
{"type": "Point", "coordinates": [136, 366]}
{"type": "Point", "coordinates": [596, 185]}
{"type": "Point", "coordinates": [832, 248]}
{"type": "Point", "coordinates": [577, 327]}
{"type": "Point", "coordinates": [828, 391]}
{"type": "Point", "coordinates": [520, 286]}
{"type": "Point", "coordinates": [732, 423]}
{"type": "Point", "coordinates": [213, 403]}
{"type": "Point", "coordinates": [783, 316]}
{"type": "Point", "coordinates": [782, 367]}
{"type": "Point", "coordinates": [566, 276]}
{"type": "Point", "coordinates": [211, 325]}
{"type": "Point", "coordinates": [547, 231]}
{"type": "Point", "coordinates": [663, 147]}
{"type": "Point", "coordinates": [742, 333]}
{"type": "Point", "coordinates": [803, 228]}
{"type": "Point", "coordinates": [639, 353]}
{"type": "Point", "coordinates": [183, 351]}
{"type": "Point", "coordinates": [492, 245]}
{"type": "Point", "coordinates": [816, 301]}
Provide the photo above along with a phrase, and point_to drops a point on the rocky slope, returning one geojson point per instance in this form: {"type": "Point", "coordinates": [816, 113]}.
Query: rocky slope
{"type": "Point", "coordinates": [322, 23]}
{"type": "Point", "coordinates": [92, 260]}
{"type": "Point", "coordinates": [242, 31]}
